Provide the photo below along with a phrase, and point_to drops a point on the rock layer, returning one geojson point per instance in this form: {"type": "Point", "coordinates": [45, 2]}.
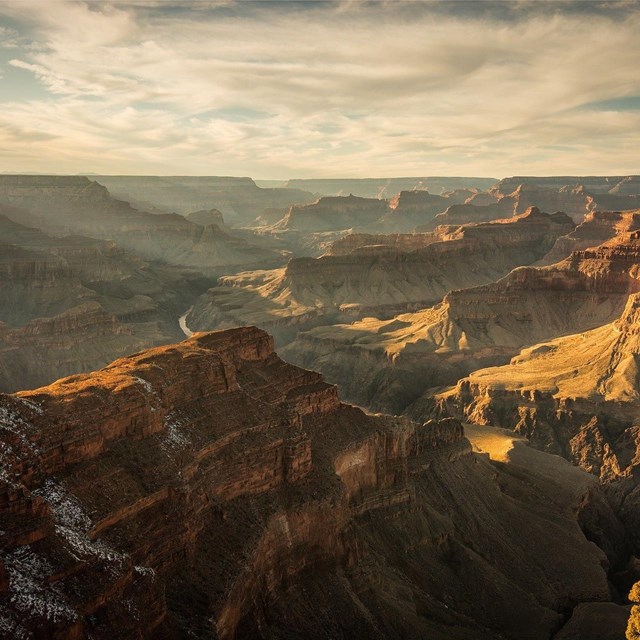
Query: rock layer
{"type": "Point", "coordinates": [208, 489]}
{"type": "Point", "coordinates": [75, 205]}
{"type": "Point", "coordinates": [390, 363]}
{"type": "Point", "coordinates": [402, 272]}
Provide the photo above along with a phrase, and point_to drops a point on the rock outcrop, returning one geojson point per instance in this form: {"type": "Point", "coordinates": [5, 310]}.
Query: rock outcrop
{"type": "Point", "coordinates": [390, 363]}
{"type": "Point", "coordinates": [309, 229]}
{"type": "Point", "coordinates": [509, 197]}
{"type": "Point", "coordinates": [597, 228]}
{"type": "Point", "coordinates": [334, 214]}
{"type": "Point", "coordinates": [577, 396]}
{"type": "Point", "coordinates": [208, 489]}
{"type": "Point", "coordinates": [401, 273]}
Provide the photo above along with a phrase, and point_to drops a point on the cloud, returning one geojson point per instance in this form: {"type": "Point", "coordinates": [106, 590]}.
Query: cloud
{"type": "Point", "coordinates": [350, 88]}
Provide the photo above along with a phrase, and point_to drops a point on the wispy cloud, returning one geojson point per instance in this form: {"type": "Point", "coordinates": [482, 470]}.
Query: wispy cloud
{"type": "Point", "coordinates": [350, 88]}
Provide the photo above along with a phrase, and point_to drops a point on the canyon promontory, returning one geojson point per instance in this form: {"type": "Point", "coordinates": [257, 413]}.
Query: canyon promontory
{"type": "Point", "coordinates": [208, 489]}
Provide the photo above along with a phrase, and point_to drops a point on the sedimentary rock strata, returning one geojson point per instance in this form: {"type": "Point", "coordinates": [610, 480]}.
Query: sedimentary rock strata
{"type": "Point", "coordinates": [72, 304]}
{"type": "Point", "coordinates": [597, 228]}
{"type": "Point", "coordinates": [577, 396]}
{"type": "Point", "coordinates": [208, 489]}
{"type": "Point", "coordinates": [371, 275]}
{"type": "Point", "coordinates": [389, 361]}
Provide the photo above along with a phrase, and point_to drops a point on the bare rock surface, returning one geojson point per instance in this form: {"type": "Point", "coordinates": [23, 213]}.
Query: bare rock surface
{"type": "Point", "coordinates": [208, 489]}
{"type": "Point", "coordinates": [382, 275]}
{"type": "Point", "coordinates": [392, 362]}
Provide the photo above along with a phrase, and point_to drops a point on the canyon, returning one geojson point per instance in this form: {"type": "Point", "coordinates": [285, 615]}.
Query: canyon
{"type": "Point", "coordinates": [209, 489]}
{"type": "Point", "coordinates": [63, 205]}
{"type": "Point", "coordinates": [219, 487]}
{"type": "Point", "coordinates": [388, 364]}
{"type": "Point", "coordinates": [363, 274]}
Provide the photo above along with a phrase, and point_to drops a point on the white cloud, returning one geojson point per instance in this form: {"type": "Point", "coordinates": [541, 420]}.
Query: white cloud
{"type": "Point", "coordinates": [349, 89]}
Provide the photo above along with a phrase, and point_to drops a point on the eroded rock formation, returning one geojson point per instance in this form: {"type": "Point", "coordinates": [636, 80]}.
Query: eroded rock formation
{"type": "Point", "coordinates": [391, 362]}
{"type": "Point", "coordinates": [72, 304]}
{"type": "Point", "coordinates": [240, 199]}
{"type": "Point", "coordinates": [362, 276]}
{"type": "Point", "coordinates": [208, 489]}
{"type": "Point", "coordinates": [67, 205]}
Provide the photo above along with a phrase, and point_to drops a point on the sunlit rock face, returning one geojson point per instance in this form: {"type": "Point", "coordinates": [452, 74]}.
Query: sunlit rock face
{"type": "Point", "coordinates": [209, 489]}
{"type": "Point", "coordinates": [393, 362]}
{"type": "Point", "coordinates": [365, 274]}
{"type": "Point", "coordinates": [577, 396]}
{"type": "Point", "coordinates": [597, 228]}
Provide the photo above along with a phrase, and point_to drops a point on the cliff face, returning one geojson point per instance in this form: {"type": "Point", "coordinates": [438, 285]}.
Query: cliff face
{"type": "Point", "coordinates": [466, 213]}
{"type": "Point", "coordinates": [390, 363]}
{"type": "Point", "coordinates": [335, 213]}
{"type": "Point", "coordinates": [72, 304]}
{"type": "Point", "coordinates": [75, 205]}
{"type": "Point", "coordinates": [566, 394]}
{"type": "Point", "coordinates": [208, 489]}
{"type": "Point", "coordinates": [597, 228]}
{"type": "Point", "coordinates": [412, 208]}
{"type": "Point", "coordinates": [403, 273]}
{"type": "Point", "coordinates": [309, 229]}
{"type": "Point", "coordinates": [577, 396]}
{"type": "Point", "coordinates": [578, 198]}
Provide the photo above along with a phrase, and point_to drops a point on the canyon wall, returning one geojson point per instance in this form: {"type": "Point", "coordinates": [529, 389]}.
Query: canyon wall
{"type": "Point", "coordinates": [208, 489]}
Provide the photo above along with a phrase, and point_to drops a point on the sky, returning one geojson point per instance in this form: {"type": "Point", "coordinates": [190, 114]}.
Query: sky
{"type": "Point", "coordinates": [286, 89]}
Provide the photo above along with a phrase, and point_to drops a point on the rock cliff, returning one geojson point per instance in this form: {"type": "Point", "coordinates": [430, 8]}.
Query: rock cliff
{"type": "Point", "coordinates": [577, 396]}
{"type": "Point", "coordinates": [208, 489]}
{"type": "Point", "coordinates": [403, 272]}
{"type": "Point", "coordinates": [390, 363]}
{"type": "Point", "coordinates": [72, 304]}
{"type": "Point", "coordinates": [597, 228]}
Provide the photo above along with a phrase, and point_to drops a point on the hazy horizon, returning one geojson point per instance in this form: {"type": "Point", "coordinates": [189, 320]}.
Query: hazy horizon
{"type": "Point", "coordinates": [281, 90]}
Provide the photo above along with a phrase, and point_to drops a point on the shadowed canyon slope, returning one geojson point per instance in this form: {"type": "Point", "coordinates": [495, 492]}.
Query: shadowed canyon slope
{"type": "Point", "coordinates": [76, 205]}
{"type": "Point", "coordinates": [208, 489]}
{"type": "Point", "coordinates": [578, 396]}
{"type": "Point", "coordinates": [73, 303]}
{"type": "Point", "coordinates": [364, 274]}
